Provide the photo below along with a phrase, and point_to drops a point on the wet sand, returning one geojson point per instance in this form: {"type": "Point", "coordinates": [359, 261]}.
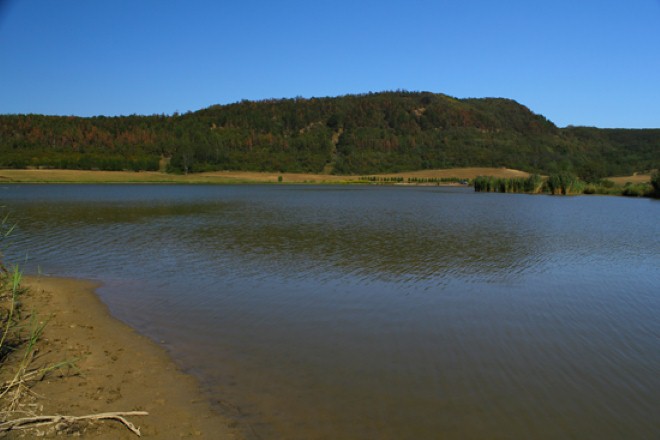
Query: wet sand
{"type": "Point", "coordinates": [119, 370]}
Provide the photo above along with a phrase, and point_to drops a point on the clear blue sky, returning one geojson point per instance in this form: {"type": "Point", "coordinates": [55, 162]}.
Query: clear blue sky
{"type": "Point", "coordinates": [580, 62]}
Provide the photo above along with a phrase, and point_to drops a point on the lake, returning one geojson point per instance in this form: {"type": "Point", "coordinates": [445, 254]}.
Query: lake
{"type": "Point", "coordinates": [366, 312]}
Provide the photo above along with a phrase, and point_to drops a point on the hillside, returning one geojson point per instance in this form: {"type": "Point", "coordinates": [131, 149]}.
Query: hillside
{"type": "Point", "coordinates": [355, 134]}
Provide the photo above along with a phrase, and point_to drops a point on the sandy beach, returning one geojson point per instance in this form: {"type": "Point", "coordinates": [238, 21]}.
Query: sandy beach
{"type": "Point", "coordinates": [118, 370]}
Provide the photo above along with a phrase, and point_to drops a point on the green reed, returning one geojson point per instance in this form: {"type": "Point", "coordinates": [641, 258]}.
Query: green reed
{"type": "Point", "coordinates": [530, 185]}
{"type": "Point", "coordinates": [19, 337]}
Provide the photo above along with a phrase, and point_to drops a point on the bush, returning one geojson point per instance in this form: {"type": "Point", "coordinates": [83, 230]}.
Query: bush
{"type": "Point", "coordinates": [637, 190]}
{"type": "Point", "coordinates": [531, 184]}
{"type": "Point", "coordinates": [564, 183]}
{"type": "Point", "coordinates": [655, 184]}
{"type": "Point", "coordinates": [606, 183]}
{"type": "Point", "coordinates": [590, 188]}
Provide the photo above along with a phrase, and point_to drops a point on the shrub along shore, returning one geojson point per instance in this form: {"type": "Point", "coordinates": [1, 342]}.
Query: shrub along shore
{"type": "Point", "coordinates": [566, 184]}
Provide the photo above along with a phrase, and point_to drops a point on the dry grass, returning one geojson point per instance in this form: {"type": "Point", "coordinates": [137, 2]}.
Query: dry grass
{"type": "Point", "coordinates": [78, 176]}
{"type": "Point", "coordinates": [229, 177]}
{"type": "Point", "coordinates": [226, 177]}
{"type": "Point", "coordinates": [635, 178]}
{"type": "Point", "coordinates": [462, 173]}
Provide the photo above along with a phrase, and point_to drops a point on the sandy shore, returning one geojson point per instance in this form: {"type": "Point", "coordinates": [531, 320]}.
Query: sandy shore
{"type": "Point", "coordinates": [119, 370]}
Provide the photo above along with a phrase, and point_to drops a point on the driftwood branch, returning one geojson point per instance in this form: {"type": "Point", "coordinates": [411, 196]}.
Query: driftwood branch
{"type": "Point", "coordinates": [30, 422]}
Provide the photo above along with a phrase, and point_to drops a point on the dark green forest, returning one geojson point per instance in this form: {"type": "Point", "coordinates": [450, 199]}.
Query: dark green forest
{"type": "Point", "coordinates": [354, 134]}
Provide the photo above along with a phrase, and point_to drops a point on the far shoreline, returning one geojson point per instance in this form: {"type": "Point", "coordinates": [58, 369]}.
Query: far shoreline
{"type": "Point", "coordinates": [238, 177]}
{"type": "Point", "coordinates": [407, 178]}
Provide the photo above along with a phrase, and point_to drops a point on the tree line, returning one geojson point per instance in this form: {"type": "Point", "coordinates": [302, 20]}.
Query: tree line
{"type": "Point", "coordinates": [354, 134]}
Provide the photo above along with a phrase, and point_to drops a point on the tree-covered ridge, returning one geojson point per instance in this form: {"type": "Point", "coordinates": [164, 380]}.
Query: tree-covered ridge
{"type": "Point", "coordinates": [132, 142]}
{"type": "Point", "coordinates": [353, 134]}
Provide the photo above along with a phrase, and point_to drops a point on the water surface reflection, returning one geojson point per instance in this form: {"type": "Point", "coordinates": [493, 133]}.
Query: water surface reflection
{"type": "Point", "coordinates": [378, 312]}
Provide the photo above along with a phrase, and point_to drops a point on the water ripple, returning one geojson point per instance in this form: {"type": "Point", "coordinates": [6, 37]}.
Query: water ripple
{"type": "Point", "coordinates": [406, 312]}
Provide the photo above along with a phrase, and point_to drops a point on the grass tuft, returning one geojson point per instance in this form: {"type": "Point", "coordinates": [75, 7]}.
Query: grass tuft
{"type": "Point", "coordinates": [19, 338]}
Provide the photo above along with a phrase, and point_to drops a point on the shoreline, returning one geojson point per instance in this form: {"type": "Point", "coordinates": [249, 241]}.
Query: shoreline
{"type": "Point", "coordinates": [10, 176]}
{"type": "Point", "coordinates": [407, 178]}
{"type": "Point", "coordinates": [118, 369]}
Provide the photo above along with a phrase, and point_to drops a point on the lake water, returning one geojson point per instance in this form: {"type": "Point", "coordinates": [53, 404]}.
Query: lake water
{"type": "Point", "coordinates": [357, 312]}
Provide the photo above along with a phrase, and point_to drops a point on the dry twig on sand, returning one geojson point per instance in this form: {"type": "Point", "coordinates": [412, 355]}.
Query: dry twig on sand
{"type": "Point", "coordinates": [33, 422]}
{"type": "Point", "coordinates": [15, 334]}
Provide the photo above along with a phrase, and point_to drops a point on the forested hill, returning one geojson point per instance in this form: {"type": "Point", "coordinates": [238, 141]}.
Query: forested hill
{"type": "Point", "coordinates": [353, 134]}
